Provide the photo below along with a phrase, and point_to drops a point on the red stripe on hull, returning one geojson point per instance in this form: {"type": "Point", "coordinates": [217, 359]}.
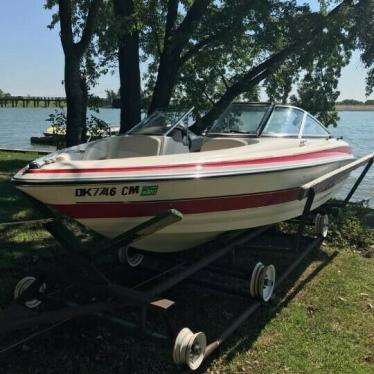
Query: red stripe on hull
{"type": "Point", "coordinates": [192, 206]}
{"type": "Point", "coordinates": [200, 166]}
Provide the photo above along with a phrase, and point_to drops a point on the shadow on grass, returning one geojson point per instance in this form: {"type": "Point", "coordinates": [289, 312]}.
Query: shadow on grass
{"type": "Point", "coordinates": [13, 203]}
{"type": "Point", "coordinates": [11, 162]}
{"type": "Point", "coordinates": [240, 343]}
{"type": "Point", "coordinates": [88, 345]}
{"type": "Point", "coordinates": [20, 250]}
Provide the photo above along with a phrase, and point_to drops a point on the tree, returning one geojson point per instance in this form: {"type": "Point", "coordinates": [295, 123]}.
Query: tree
{"type": "Point", "coordinates": [111, 97]}
{"type": "Point", "coordinates": [320, 46]}
{"type": "Point", "coordinates": [4, 94]}
{"type": "Point", "coordinates": [75, 17]}
{"type": "Point", "coordinates": [351, 102]}
{"type": "Point", "coordinates": [128, 64]}
{"type": "Point", "coordinates": [208, 53]}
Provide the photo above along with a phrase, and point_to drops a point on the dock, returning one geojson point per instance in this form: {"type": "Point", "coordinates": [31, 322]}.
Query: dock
{"type": "Point", "coordinates": [39, 151]}
{"type": "Point", "coordinates": [36, 101]}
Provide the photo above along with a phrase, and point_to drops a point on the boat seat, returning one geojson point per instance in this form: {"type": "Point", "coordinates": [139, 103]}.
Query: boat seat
{"type": "Point", "coordinates": [214, 144]}
{"type": "Point", "coordinates": [97, 150]}
{"type": "Point", "coordinates": [135, 146]}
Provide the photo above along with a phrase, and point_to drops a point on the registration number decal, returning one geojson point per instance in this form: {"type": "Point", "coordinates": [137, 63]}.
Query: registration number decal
{"type": "Point", "coordinates": [148, 190]}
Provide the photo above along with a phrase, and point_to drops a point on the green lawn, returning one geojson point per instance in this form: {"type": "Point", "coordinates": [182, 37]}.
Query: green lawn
{"type": "Point", "coordinates": [325, 327]}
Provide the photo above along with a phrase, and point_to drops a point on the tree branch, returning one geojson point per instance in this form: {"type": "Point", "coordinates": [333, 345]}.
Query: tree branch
{"type": "Point", "coordinates": [185, 29]}
{"type": "Point", "coordinates": [200, 45]}
{"type": "Point", "coordinates": [205, 93]}
{"type": "Point", "coordinates": [257, 74]}
{"type": "Point", "coordinates": [152, 6]}
{"type": "Point", "coordinates": [66, 35]}
{"type": "Point", "coordinates": [171, 18]}
{"type": "Point", "coordinates": [194, 14]}
{"type": "Point", "coordinates": [89, 27]}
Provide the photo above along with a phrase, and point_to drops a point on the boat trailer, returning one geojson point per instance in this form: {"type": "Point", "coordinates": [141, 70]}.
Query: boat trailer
{"type": "Point", "coordinates": [45, 300]}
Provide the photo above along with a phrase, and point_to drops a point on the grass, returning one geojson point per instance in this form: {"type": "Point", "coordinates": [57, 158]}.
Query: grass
{"type": "Point", "coordinates": [327, 328]}
{"type": "Point", "coordinates": [319, 324]}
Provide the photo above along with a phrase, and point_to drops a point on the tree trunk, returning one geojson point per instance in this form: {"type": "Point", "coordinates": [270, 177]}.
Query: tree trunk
{"type": "Point", "coordinates": [175, 40]}
{"type": "Point", "coordinates": [75, 84]}
{"type": "Point", "coordinates": [84, 87]}
{"type": "Point", "coordinates": [166, 79]}
{"type": "Point", "coordinates": [75, 100]}
{"type": "Point", "coordinates": [129, 71]}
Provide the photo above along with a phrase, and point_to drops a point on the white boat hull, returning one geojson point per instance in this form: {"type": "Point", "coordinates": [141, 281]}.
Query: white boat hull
{"type": "Point", "coordinates": [210, 205]}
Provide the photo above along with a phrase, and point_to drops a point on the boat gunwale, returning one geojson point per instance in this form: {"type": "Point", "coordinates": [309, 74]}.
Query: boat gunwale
{"type": "Point", "coordinates": [165, 178]}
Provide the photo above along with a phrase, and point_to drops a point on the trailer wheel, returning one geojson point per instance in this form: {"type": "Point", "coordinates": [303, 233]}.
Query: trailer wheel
{"type": "Point", "coordinates": [127, 255]}
{"type": "Point", "coordinates": [267, 282]}
{"type": "Point", "coordinates": [189, 348]}
{"type": "Point", "coordinates": [262, 281]}
{"type": "Point", "coordinates": [22, 286]}
{"type": "Point", "coordinates": [321, 224]}
{"type": "Point", "coordinates": [254, 277]}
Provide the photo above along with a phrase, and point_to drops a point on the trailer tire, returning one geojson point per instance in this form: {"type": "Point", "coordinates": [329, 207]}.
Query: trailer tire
{"type": "Point", "coordinates": [132, 259]}
{"type": "Point", "coordinates": [262, 282]}
{"type": "Point", "coordinates": [189, 348]}
{"type": "Point", "coordinates": [321, 225]}
{"type": "Point", "coordinates": [22, 286]}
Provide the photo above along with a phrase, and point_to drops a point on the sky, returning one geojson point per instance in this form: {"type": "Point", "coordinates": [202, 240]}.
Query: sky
{"type": "Point", "coordinates": [32, 60]}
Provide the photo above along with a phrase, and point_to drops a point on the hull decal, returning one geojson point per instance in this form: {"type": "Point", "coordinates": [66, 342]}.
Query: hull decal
{"type": "Point", "coordinates": [188, 206]}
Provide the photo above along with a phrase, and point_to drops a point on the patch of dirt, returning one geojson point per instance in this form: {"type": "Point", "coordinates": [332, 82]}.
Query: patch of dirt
{"type": "Point", "coordinates": [368, 252]}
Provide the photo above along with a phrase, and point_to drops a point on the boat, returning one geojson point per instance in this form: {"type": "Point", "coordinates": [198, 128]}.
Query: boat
{"type": "Point", "coordinates": [55, 135]}
{"type": "Point", "coordinates": [246, 171]}
{"type": "Point", "coordinates": [53, 131]}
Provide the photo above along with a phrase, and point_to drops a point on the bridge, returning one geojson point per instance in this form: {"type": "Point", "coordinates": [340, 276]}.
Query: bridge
{"type": "Point", "coordinates": [36, 101]}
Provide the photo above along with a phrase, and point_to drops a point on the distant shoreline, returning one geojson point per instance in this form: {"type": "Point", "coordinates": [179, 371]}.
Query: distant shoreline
{"type": "Point", "coordinates": [354, 108]}
{"type": "Point", "coordinates": [339, 107]}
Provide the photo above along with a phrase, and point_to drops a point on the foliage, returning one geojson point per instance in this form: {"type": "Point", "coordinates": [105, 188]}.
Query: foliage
{"type": "Point", "coordinates": [58, 121]}
{"type": "Point", "coordinates": [96, 128]}
{"type": "Point", "coordinates": [349, 228]}
{"type": "Point", "coordinates": [111, 95]}
{"type": "Point", "coordinates": [230, 52]}
{"type": "Point", "coordinates": [95, 103]}
{"type": "Point", "coordinates": [4, 94]}
{"type": "Point", "coordinates": [350, 102]}
{"type": "Point", "coordinates": [78, 21]}
{"type": "Point", "coordinates": [206, 53]}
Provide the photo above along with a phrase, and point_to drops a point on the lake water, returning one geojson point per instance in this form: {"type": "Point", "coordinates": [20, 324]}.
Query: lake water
{"type": "Point", "coordinates": [17, 125]}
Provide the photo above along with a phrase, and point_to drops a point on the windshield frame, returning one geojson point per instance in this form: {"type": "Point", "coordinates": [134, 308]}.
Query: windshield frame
{"type": "Point", "coordinates": [283, 135]}
{"type": "Point", "coordinates": [255, 134]}
{"type": "Point", "coordinates": [143, 123]}
{"type": "Point", "coordinates": [301, 130]}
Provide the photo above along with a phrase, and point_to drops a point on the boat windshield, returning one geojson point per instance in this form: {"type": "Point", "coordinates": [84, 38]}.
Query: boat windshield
{"type": "Point", "coordinates": [160, 123]}
{"type": "Point", "coordinates": [284, 121]}
{"type": "Point", "coordinates": [240, 118]}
